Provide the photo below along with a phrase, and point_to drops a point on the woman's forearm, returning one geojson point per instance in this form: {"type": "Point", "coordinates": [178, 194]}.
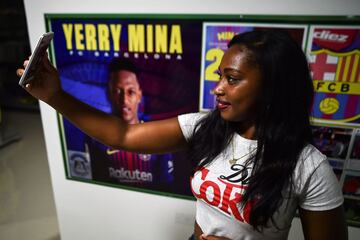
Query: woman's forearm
{"type": "Point", "coordinates": [104, 127]}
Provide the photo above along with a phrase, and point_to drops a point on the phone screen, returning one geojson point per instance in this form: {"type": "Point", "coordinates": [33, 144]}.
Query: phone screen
{"type": "Point", "coordinates": [36, 58]}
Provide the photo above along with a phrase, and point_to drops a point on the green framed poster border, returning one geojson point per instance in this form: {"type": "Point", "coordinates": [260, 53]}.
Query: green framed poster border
{"type": "Point", "coordinates": [309, 19]}
{"type": "Point", "coordinates": [245, 18]}
{"type": "Point", "coordinates": [65, 157]}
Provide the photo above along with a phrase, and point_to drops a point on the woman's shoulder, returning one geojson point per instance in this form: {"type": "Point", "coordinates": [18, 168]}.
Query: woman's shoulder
{"type": "Point", "coordinates": [188, 122]}
{"type": "Point", "coordinates": [309, 160]}
{"type": "Point", "coordinates": [191, 118]}
{"type": "Point", "coordinates": [194, 115]}
{"type": "Point", "coordinates": [315, 181]}
{"type": "Point", "coordinates": [310, 154]}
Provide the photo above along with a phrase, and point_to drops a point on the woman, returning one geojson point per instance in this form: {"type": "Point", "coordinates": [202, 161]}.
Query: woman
{"type": "Point", "coordinates": [253, 164]}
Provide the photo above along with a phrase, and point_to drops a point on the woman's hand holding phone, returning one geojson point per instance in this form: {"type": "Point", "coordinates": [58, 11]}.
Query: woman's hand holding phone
{"type": "Point", "coordinates": [45, 84]}
{"type": "Point", "coordinates": [39, 77]}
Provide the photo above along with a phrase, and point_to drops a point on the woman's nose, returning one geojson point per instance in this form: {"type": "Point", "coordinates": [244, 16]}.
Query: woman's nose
{"type": "Point", "coordinates": [219, 88]}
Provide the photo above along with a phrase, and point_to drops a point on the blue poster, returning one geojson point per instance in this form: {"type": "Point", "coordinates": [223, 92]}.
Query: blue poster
{"type": "Point", "coordinates": [139, 71]}
{"type": "Point", "coordinates": [216, 37]}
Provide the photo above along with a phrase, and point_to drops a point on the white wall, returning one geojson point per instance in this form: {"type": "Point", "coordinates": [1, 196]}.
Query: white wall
{"type": "Point", "coordinates": [88, 211]}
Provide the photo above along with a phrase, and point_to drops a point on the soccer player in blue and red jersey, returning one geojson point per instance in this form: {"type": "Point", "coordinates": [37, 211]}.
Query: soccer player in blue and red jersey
{"type": "Point", "coordinates": [147, 170]}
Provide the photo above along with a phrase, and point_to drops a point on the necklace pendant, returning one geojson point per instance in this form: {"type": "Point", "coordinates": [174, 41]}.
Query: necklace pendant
{"type": "Point", "coordinates": [233, 161]}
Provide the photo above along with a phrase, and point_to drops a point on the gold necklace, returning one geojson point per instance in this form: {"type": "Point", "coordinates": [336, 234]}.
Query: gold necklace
{"type": "Point", "coordinates": [234, 160]}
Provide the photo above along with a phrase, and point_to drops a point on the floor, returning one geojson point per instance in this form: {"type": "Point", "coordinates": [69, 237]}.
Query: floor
{"type": "Point", "coordinates": [27, 209]}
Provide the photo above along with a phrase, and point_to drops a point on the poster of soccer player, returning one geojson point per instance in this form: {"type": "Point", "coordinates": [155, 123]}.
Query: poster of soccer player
{"type": "Point", "coordinates": [214, 42]}
{"type": "Point", "coordinates": [139, 70]}
{"type": "Point", "coordinates": [334, 53]}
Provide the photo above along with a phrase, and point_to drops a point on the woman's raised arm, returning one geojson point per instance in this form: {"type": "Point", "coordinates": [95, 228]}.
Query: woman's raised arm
{"type": "Point", "coordinates": [152, 137]}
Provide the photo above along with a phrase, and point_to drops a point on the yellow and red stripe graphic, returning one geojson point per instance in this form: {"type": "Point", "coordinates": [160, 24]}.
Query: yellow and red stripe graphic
{"type": "Point", "coordinates": [341, 67]}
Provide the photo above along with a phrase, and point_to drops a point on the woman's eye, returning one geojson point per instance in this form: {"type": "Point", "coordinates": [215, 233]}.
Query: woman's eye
{"type": "Point", "coordinates": [232, 80]}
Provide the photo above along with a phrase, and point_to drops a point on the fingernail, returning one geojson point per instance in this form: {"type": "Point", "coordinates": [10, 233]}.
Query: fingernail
{"type": "Point", "coordinates": [27, 85]}
{"type": "Point", "coordinates": [19, 72]}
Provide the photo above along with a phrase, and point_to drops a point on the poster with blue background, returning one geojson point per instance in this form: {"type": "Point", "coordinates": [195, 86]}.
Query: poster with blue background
{"type": "Point", "coordinates": [216, 36]}
{"type": "Point", "coordinates": [166, 56]}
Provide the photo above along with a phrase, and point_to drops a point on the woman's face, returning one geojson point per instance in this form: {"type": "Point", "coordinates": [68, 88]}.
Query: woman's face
{"type": "Point", "coordinates": [239, 86]}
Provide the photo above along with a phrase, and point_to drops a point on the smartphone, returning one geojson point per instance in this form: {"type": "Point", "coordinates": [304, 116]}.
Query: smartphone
{"type": "Point", "coordinates": [35, 59]}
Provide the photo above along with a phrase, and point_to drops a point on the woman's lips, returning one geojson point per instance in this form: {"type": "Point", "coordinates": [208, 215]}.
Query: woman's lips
{"type": "Point", "coordinates": [222, 105]}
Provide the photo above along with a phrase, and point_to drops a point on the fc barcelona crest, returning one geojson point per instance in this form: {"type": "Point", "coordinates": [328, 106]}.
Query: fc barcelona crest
{"type": "Point", "coordinates": [336, 76]}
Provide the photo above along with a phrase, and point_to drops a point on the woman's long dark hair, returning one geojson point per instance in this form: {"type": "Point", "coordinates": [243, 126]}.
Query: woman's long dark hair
{"type": "Point", "coordinates": [282, 125]}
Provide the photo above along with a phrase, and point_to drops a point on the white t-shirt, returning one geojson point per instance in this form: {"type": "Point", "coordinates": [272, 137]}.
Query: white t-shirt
{"type": "Point", "coordinates": [218, 188]}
